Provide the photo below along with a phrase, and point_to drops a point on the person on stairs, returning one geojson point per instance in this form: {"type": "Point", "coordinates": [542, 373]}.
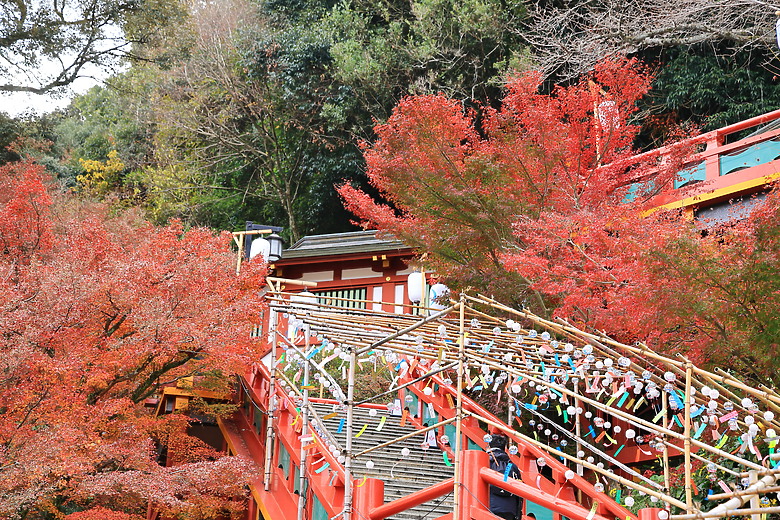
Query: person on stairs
{"type": "Point", "coordinates": [502, 503]}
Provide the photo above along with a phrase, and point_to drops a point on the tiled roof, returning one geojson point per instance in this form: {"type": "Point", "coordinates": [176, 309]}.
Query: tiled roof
{"type": "Point", "coordinates": [342, 244]}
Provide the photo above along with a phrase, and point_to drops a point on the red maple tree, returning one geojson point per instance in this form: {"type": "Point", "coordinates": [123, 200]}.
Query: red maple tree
{"type": "Point", "coordinates": [99, 311]}
{"type": "Point", "coordinates": [544, 202]}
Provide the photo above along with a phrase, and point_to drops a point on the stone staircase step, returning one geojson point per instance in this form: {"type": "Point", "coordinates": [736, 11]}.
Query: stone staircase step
{"type": "Point", "coordinates": [401, 476]}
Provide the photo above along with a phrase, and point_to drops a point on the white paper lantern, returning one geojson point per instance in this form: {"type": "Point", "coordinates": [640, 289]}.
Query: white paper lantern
{"type": "Point", "coordinates": [438, 292]}
{"type": "Point", "coordinates": [260, 246]}
{"type": "Point", "coordinates": [415, 283]}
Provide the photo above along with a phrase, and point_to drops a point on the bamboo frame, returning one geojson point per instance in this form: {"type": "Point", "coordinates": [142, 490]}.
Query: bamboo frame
{"type": "Point", "coordinates": [363, 330]}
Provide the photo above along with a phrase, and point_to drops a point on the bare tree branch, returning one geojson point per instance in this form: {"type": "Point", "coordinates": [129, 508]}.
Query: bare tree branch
{"type": "Point", "coordinates": [569, 36]}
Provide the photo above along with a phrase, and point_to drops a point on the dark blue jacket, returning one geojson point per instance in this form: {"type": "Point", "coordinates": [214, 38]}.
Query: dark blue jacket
{"type": "Point", "coordinates": [503, 504]}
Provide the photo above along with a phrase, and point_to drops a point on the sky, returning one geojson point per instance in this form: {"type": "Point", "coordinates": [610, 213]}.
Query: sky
{"type": "Point", "coordinates": [19, 103]}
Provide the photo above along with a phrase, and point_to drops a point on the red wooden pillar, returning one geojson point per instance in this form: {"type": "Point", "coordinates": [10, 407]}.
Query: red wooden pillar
{"type": "Point", "coordinates": [649, 513]}
{"type": "Point", "coordinates": [475, 492]}
{"type": "Point", "coordinates": [368, 497]}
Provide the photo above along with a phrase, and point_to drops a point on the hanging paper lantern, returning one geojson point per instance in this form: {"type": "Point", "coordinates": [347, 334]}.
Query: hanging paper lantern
{"type": "Point", "coordinates": [405, 452]}
{"type": "Point", "coordinates": [628, 501]}
{"type": "Point", "coordinates": [437, 294]}
{"type": "Point", "coordinates": [415, 284]}
{"type": "Point", "coordinates": [769, 415]}
{"type": "Point", "coordinates": [372, 412]}
{"type": "Point", "coordinates": [369, 464]}
{"type": "Point", "coordinates": [569, 474]}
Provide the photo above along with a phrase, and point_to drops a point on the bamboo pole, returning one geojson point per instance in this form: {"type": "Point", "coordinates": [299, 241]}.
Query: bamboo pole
{"type": "Point", "coordinates": [742, 492]}
{"type": "Point", "coordinates": [664, 409]}
{"type": "Point", "coordinates": [754, 501]}
{"type": "Point", "coordinates": [290, 281]}
{"type": "Point", "coordinates": [459, 413]}
{"type": "Point", "coordinates": [302, 484]}
{"type": "Point", "coordinates": [349, 433]}
{"type": "Point", "coordinates": [727, 513]}
{"type": "Point", "coordinates": [271, 409]}
{"type": "Point", "coordinates": [687, 442]}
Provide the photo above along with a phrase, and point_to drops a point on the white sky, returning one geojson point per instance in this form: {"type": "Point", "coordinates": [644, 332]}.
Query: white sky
{"type": "Point", "coordinates": [18, 103]}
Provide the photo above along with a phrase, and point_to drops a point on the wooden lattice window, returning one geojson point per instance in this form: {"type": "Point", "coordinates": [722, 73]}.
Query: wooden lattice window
{"type": "Point", "coordinates": [354, 298]}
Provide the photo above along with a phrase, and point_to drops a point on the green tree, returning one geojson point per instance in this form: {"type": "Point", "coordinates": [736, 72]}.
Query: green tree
{"type": "Point", "coordinates": [49, 44]}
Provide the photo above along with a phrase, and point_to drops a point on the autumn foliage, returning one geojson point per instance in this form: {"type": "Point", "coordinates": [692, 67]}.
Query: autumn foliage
{"type": "Point", "coordinates": [100, 311]}
{"type": "Point", "coordinates": [546, 203]}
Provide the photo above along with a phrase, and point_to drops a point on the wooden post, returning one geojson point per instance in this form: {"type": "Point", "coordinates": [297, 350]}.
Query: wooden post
{"type": "Point", "coordinates": [687, 441]}
{"type": "Point", "coordinates": [459, 412]}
